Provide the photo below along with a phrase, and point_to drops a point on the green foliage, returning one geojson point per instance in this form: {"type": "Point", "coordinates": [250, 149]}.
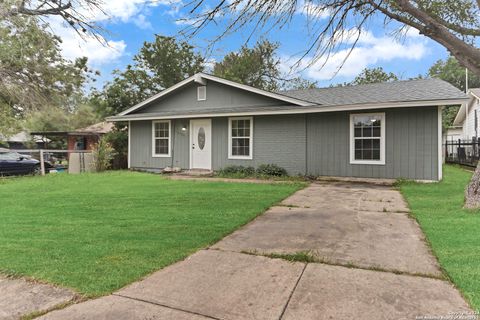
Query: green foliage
{"type": "Point", "coordinates": [301, 256]}
{"type": "Point", "coordinates": [257, 67]}
{"type": "Point", "coordinates": [158, 65]}
{"type": "Point", "coordinates": [373, 75]}
{"type": "Point", "coordinates": [106, 230]}
{"type": "Point", "coordinates": [298, 83]}
{"type": "Point", "coordinates": [58, 119]}
{"type": "Point", "coordinates": [451, 230]}
{"type": "Point", "coordinates": [169, 61]}
{"type": "Point", "coordinates": [118, 139]}
{"type": "Point", "coordinates": [451, 71]}
{"type": "Point", "coordinates": [103, 154]}
{"type": "Point", "coordinates": [34, 75]}
{"type": "Point", "coordinates": [237, 171]}
{"type": "Point", "coordinates": [271, 170]}
{"type": "Point", "coordinates": [263, 170]}
{"type": "Point", "coordinates": [448, 115]}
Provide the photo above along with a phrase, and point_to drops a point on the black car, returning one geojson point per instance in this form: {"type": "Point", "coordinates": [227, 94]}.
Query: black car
{"type": "Point", "coordinates": [13, 163]}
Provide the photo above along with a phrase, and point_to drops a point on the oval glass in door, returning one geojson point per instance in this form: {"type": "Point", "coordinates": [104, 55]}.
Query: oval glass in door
{"type": "Point", "coordinates": [201, 138]}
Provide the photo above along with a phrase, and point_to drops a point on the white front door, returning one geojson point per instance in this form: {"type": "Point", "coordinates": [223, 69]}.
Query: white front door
{"type": "Point", "coordinates": [201, 144]}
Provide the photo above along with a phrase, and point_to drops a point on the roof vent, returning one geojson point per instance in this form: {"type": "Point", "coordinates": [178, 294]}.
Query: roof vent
{"type": "Point", "coordinates": [202, 93]}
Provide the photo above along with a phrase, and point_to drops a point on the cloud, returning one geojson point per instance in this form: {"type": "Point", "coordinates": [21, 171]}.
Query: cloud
{"type": "Point", "coordinates": [74, 46]}
{"type": "Point", "coordinates": [142, 22]}
{"type": "Point", "coordinates": [369, 51]}
{"type": "Point", "coordinates": [313, 11]}
{"type": "Point", "coordinates": [114, 11]}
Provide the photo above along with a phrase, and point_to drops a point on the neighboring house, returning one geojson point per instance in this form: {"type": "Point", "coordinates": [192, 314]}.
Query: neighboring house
{"type": "Point", "coordinates": [468, 116]}
{"type": "Point", "coordinates": [86, 138]}
{"type": "Point", "coordinates": [386, 130]}
{"type": "Point", "coordinates": [453, 133]}
{"type": "Point", "coordinates": [80, 139]}
{"type": "Point", "coordinates": [23, 140]}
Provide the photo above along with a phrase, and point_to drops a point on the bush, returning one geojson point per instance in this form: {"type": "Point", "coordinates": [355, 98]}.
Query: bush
{"type": "Point", "coordinates": [265, 170]}
{"type": "Point", "coordinates": [103, 154]}
{"type": "Point", "coordinates": [271, 170]}
{"type": "Point", "coordinates": [118, 139]}
{"type": "Point", "coordinates": [237, 171]}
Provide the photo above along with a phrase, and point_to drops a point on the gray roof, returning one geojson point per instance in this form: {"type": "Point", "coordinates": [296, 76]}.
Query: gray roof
{"type": "Point", "coordinates": [395, 91]}
{"type": "Point", "coordinates": [475, 91]}
{"type": "Point", "coordinates": [378, 93]}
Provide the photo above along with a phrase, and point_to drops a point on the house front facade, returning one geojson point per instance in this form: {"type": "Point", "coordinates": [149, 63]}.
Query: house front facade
{"type": "Point", "coordinates": [388, 130]}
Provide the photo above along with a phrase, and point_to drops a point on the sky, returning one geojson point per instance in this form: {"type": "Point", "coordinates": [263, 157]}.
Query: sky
{"type": "Point", "coordinates": [129, 23]}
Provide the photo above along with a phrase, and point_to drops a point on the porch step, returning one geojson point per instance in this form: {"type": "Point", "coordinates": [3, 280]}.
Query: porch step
{"type": "Point", "coordinates": [196, 173]}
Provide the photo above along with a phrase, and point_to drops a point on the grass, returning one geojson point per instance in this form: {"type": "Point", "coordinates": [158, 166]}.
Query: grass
{"type": "Point", "coordinates": [452, 231]}
{"type": "Point", "coordinates": [301, 256]}
{"type": "Point", "coordinates": [96, 233]}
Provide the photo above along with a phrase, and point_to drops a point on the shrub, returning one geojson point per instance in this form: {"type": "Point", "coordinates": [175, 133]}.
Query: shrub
{"type": "Point", "coordinates": [103, 154]}
{"type": "Point", "coordinates": [271, 170]}
{"type": "Point", "coordinates": [237, 171]}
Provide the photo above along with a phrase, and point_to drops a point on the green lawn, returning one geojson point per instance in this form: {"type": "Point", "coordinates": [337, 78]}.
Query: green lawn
{"type": "Point", "coordinates": [454, 233]}
{"type": "Point", "coordinates": [98, 232]}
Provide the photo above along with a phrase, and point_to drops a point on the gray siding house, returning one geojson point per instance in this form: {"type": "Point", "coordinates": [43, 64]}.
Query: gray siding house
{"type": "Point", "coordinates": [386, 130]}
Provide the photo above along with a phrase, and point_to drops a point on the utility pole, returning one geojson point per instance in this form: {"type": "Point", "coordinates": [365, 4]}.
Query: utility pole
{"type": "Point", "coordinates": [466, 80]}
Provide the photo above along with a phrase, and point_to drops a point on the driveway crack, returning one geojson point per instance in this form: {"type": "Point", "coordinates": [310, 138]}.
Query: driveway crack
{"type": "Point", "coordinates": [166, 306]}
{"type": "Point", "coordinates": [293, 291]}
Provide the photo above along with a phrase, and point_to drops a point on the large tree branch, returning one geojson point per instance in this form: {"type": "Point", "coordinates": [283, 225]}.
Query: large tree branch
{"type": "Point", "coordinates": [466, 54]}
{"type": "Point", "coordinates": [53, 10]}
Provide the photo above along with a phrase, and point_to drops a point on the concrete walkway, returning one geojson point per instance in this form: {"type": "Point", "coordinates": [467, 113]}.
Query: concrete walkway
{"type": "Point", "coordinates": [19, 297]}
{"type": "Point", "coordinates": [377, 266]}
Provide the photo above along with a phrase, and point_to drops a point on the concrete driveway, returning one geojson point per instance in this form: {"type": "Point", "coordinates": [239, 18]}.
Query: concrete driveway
{"type": "Point", "coordinates": [358, 225]}
{"type": "Point", "coordinates": [377, 266]}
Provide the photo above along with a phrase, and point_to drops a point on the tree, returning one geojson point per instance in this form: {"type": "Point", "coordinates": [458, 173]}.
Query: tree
{"type": "Point", "coordinates": [33, 73]}
{"type": "Point", "coordinates": [55, 118]}
{"type": "Point", "coordinates": [374, 75]}
{"type": "Point", "coordinates": [73, 12]}
{"type": "Point", "coordinates": [451, 71]}
{"type": "Point", "coordinates": [453, 24]}
{"type": "Point", "coordinates": [257, 67]}
{"type": "Point", "coordinates": [298, 83]}
{"type": "Point", "coordinates": [158, 65]}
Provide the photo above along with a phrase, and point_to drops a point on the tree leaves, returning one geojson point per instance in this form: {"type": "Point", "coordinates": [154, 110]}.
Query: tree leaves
{"type": "Point", "coordinates": [373, 75]}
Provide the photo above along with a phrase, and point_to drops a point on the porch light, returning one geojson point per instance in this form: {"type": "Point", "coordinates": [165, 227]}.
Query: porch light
{"type": "Point", "coordinates": [184, 128]}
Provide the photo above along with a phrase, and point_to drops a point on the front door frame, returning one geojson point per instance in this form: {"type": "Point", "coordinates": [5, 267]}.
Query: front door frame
{"type": "Point", "coordinates": [190, 145]}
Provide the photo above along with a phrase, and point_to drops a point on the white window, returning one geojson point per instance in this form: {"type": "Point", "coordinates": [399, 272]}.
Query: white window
{"type": "Point", "coordinates": [367, 138]}
{"type": "Point", "coordinates": [202, 93]}
{"type": "Point", "coordinates": [240, 138]}
{"type": "Point", "coordinates": [161, 138]}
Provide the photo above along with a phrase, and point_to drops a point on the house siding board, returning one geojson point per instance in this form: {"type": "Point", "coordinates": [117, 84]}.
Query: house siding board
{"type": "Point", "coordinates": [314, 144]}
{"type": "Point", "coordinates": [276, 139]}
{"type": "Point", "coordinates": [219, 96]}
{"type": "Point", "coordinates": [411, 152]}
{"type": "Point", "coordinates": [141, 146]}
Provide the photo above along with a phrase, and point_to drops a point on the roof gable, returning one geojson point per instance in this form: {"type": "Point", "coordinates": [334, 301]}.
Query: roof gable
{"type": "Point", "coordinates": [204, 79]}
{"type": "Point", "coordinates": [474, 95]}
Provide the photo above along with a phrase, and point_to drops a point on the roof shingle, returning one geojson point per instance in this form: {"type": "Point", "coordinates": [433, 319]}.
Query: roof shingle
{"type": "Point", "coordinates": [396, 91]}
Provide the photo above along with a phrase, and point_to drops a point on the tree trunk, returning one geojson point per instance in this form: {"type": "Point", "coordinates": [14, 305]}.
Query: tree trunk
{"type": "Point", "coordinates": [472, 193]}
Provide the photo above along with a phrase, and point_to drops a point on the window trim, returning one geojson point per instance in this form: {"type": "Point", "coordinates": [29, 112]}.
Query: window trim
{"type": "Point", "coordinates": [382, 139]}
{"type": "Point", "coordinates": [205, 93]}
{"type": "Point", "coordinates": [162, 155]}
{"type": "Point", "coordinates": [230, 139]}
